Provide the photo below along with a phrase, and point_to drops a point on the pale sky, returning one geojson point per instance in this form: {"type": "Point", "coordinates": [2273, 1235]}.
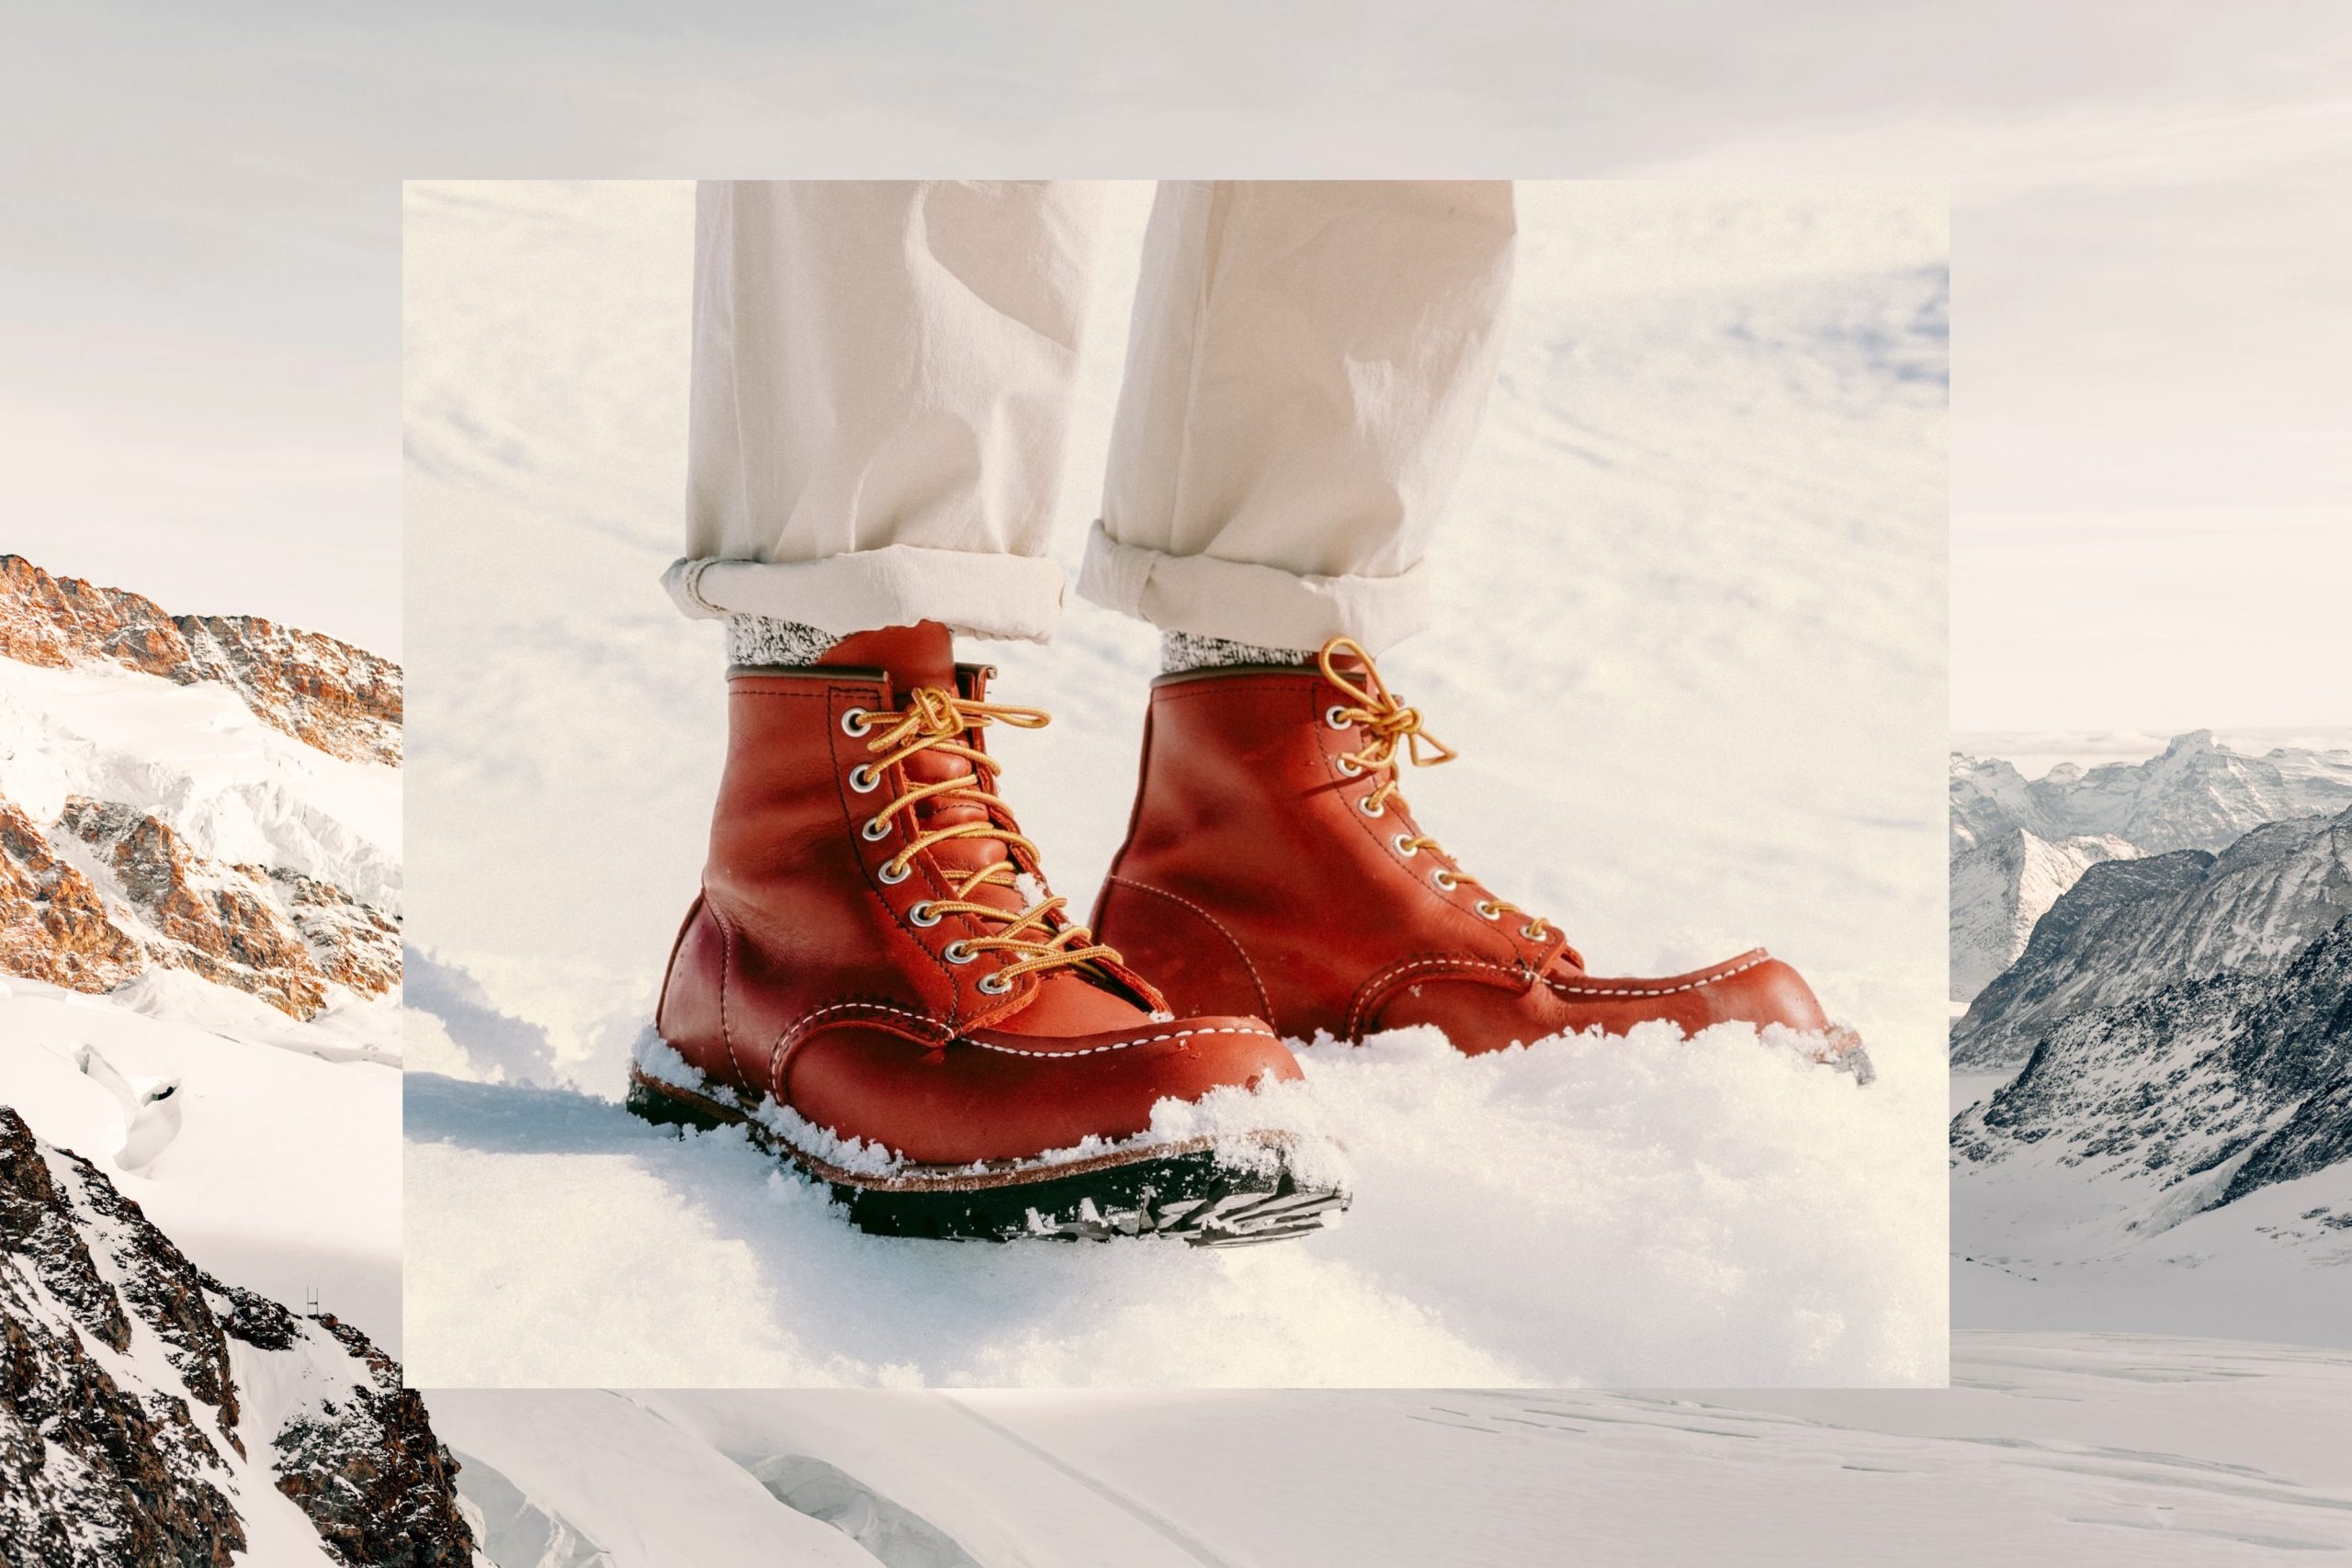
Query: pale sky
{"type": "Point", "coordinates": [2153, 491]}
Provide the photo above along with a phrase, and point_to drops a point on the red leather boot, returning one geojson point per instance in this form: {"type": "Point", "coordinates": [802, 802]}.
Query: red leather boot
{"type": "Point", "coordinates": [876, 982]}
{"type": "Point", "coordinates": [1271, 868]}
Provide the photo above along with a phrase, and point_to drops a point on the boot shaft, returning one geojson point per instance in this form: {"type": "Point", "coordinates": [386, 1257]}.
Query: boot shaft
{"type": "Point", "coordinates": [1254, 877]}
{"type": "Point", "coordinates": [814, 896]}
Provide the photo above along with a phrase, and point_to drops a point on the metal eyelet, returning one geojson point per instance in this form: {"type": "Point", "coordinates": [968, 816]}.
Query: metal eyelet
{"type": "Point", "coordinates": [1487, 910]}
{"type": "Point", "coordinates": [1530, 934]}
{"type": "Point", "coordinates": [864, 779]}
{"type": "Point", "coordinates": [920, 914]}
{"type": "Point", "coordinates": [995, 984]}
{"type": "Point", "coordinates": [1350, 767]}
{"type": "Point", "coordinates": [1364, 804]}
{"type": "Point", "coordinates": [1336, 716]}
{"type": "Point", "coordinates": [853, 721]}
{"type": "Point", "coordinates": [882, 873]}
{"type": "Point", "coordinates": [875, 831]}
{"type": "Point", "coordinates": [1445, 879]}
{"type": "Point", "coordinates": [1405, 845]}
{"type": "Point", "coordinates": [957, 953]}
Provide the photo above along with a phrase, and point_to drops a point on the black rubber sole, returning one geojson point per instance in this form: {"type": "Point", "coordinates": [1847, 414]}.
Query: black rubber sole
{"type": "Point", "coordinates": [1187, 1195]}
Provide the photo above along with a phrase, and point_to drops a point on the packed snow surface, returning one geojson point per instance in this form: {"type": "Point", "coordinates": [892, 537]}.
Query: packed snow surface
{"type": "Point", "coordinates": [1690, 644]}
{"type": "Point", "coordinates": [2080, 1448]}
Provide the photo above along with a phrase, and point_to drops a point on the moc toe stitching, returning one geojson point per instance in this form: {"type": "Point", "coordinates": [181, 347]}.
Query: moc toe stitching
{"type": "Point", "coordinates": [1634, 989]}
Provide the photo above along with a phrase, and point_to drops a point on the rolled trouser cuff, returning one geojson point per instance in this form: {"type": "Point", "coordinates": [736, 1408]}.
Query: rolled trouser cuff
{"type": "Point", "coordinates": [1014, 597]}
{"type": "Point", "coordinates": [1246, 603]}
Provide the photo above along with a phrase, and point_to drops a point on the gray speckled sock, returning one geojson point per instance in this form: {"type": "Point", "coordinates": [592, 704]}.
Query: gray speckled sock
{"type": "Point", "coordinates": [1188, 650]}
{"type": "Point", "coordinates": [761, 641]}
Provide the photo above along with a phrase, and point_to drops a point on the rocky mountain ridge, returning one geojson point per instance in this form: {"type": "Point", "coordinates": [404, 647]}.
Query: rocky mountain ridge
{"type": "Point", "coordinates": [2195, 794]}
{"type": "Point", "coordinates": [151, 1415]}
{"type": "Point", "coordinates": [2128, 928]}
{"type": "Point", "coordinates": [2199, 1091]}
{"type": "Point", "coordinates": [2017, 844]}
{"type": "Point", "coordinates": [327, 693]}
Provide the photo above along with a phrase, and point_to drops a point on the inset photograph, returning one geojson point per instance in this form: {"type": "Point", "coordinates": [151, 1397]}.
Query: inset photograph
{"type": "Point", "coordinates": [1455, 897]}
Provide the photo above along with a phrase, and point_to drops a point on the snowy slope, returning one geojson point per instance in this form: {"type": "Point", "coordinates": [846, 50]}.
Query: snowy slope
{"type": "Point", "coordinates": [1628, 1211]}
{"type": "Point", "coordinates": [2128, 927]}
{"type": "Point", "coordinates": [1718, 431]}
{"type": "Point", "coordinates": [2080, 1448]}
{"type": "Point", "coordinates": [2001, 886]}
{"type": "Point", "coordinates": [197, 757]}
{"type": "Point", "coordinates": [274, 1162]}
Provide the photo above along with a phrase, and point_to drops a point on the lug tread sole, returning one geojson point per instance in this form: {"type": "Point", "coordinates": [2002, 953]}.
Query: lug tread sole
{"type": "Point", "coordinates": [1180, 1192]}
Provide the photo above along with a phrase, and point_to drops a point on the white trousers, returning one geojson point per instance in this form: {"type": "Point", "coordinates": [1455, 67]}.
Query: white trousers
{"type": "Point", "coordinates": [883, 377]}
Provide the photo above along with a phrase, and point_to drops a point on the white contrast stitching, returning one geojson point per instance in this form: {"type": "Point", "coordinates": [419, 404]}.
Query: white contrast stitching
{"type": "Point", "coordinates": [775, 1057]}
{"type": "Point", "coordinates": [1370, 988]}
{"type": "Point", "coordinates": [1118, 1045]}
{"type": "Point", "coordinates": [1655, 991]}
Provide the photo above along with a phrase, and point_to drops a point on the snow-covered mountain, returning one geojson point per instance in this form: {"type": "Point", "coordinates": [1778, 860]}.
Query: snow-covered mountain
{"type": "Point", "coordinates": [2195, 796]}
{"type": "Point", "coordinates": [199, 928]}
{"type": "Point", "coordinates": [2178, 1161]}
{"type": "Point", "coordinates": [153, 1414]}
{"type": "Point", "coordinates": [2201, 1092]}
{"type": "Point", "coordinates": [2001, 886]}
{"type": "Point", "coordinates": [215, 794]}
{"type": "Point", "coordinates": [2131, 927]}
{"type": "Point", "coordinates": [2017, 844]}
{"type": "Point", "coordinates": [2161, 1129]}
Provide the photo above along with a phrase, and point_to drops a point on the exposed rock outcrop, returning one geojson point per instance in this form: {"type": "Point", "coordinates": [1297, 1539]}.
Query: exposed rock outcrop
{"type": "Point", "coordinates": [54, 923]}
{"type": "Point", "coordinates": [118, 1374]}
{"type": "Point", "coordinates": [151, 900]}
{"type": "Point", "coordinates": [214, 920]}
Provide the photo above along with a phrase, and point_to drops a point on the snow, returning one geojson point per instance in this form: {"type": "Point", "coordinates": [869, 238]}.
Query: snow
{"type": "Point", "coordinates": [195, 756]}
{"type": "Point", "coordinates": [1624, 1210]}
{"type": "Point", "coordinates": [2088, 1448]}
{"type": "Point", "coordinates": [278, 1169]}
{"type": "Point", "coordinates": [273, 1387]}
{"type": "Point", "coordinates": [1700, 543]}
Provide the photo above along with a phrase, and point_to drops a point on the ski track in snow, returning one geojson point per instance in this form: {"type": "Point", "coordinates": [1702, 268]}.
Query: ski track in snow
{"type": "Point", "coordinates": [1700, 542]}
{"type": "Point", "coordinates": [2088, 1448]}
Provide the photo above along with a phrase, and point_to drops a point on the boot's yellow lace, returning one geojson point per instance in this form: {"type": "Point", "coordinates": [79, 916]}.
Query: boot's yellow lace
{"type": "Point", "coordinates": [937, 720]}
{"type": "Point", "coordinates": [1394, 736]}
